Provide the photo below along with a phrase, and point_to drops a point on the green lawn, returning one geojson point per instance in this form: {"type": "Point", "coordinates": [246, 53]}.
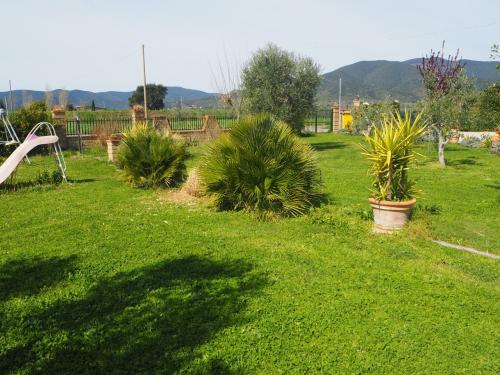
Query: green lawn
{"type": "Point", "coordinates": [98, 277]}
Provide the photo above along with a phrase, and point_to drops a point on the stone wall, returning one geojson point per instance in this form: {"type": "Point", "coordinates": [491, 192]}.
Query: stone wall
{"type": "Point", "coordinates": [478, 135]}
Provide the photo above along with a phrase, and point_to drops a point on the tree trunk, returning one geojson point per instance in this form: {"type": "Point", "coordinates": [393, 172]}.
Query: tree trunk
{"type": "Point", "coordinates": [441, 143]}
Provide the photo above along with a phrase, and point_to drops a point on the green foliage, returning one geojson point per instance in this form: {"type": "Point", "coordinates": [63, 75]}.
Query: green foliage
{"type": "Point", "coordinates": [155, 94]}
{"type": "Point", "coordinates": [374, 114]}
{"type": "Point", "coordinates": [43, 178]}
{"type": "Point", "coordinates": [150, 158]}
{"type": "Point", "coordinates": [390, 152]}
{"type": "Point", "coordinates": [263, 167]}
{"type": "Point", "coordinates": [278, 82]}
{"type": "Point", "coordinates": [448, 111]}
{"type": "Point", "coordinates": [485, 109]}
{"type": "Point", "coordinates": [24, 119]}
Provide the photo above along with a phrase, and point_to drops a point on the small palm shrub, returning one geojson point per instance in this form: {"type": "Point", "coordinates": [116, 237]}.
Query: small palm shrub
{"type": "Point", "coordinates": [150, 158]}
{"type": "Point", "coordinates": [389, 148]}
{"type": "Point", "coordinates": [263, 167]}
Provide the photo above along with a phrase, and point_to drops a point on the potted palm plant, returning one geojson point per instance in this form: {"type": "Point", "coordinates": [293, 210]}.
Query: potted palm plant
{"type": "Point", "coordinates": [389, 148]}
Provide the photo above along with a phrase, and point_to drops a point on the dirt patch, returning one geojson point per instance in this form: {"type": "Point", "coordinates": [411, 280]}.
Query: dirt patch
{"type": "Point", "coordinates": [182, 197]}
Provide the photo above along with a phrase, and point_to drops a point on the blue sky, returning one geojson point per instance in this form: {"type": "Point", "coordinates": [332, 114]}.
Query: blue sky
{"type": "Point", "coordinates": [95, 44]}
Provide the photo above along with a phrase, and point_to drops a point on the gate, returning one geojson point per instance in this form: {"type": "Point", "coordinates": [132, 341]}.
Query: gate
{"type": "Point", "coordinates": [320, 121]}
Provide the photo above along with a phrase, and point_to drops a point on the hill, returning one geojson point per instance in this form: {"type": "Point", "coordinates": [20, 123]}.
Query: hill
{"type": "Point", "coordinates": [112, 99]}
{"type": "Point", "coordinates": [381, 79]}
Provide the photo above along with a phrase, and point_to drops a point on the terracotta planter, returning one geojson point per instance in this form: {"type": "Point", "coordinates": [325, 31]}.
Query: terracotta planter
{"type": "Point", "coordinates": [390, 216]}
{"type": "Point", "coordinates": [455, 136]}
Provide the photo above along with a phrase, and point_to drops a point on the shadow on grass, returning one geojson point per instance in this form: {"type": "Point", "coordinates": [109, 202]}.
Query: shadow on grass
{"type": "Point", "coordinates": [322, 146]}
{"type": "Point", "coordinates": [26, 277]}
{"type": "Point", "coordinates": [150, 320]}
{"type": "Point", "coordinates": [81, 180]}
{"type": "Point", "coordinates": [495, 185]}
{"type": "Point", "coordinates": [465, 161]}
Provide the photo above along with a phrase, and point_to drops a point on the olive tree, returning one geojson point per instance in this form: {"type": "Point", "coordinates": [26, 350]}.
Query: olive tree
{"type": "Point", "coordinates": [155, 96]}
{"type": "Point", "coordinates": [280, 83]}
{"type": "Point", "coordinates": [446, 93]}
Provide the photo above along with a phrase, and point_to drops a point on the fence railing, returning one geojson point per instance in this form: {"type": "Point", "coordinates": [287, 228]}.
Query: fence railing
{"type": "Point", "coordinates": [226, 122]}
{"type": "Point", "coordinates": [92, 127]}
{"type": "Point", "coordinates": [89, 127]}
{"type": "Point", "coordinates": [319, 120]}
{"type": "Point", "coordinates": [185, 123]}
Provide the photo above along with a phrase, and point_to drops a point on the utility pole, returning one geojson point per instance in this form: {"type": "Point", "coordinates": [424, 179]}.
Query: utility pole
{"type": "Point", "coordinates": [144, 76]}
{"type": "Point", "coordinates": [10, 93]}
{"type": "Point", "coordinates": [340, 100]}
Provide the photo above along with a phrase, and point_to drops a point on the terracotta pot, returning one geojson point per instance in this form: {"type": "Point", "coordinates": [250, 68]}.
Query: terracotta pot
{"type": "Point", "coordinates": [390, 216]}
{"type": "Point", "coordinates": [455, 136]}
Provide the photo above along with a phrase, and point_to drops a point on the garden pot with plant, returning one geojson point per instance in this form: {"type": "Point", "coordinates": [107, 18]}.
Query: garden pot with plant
{"type": "Point", "coordinates": [454, 136]}
{"type": "Point", "coordinates": [389, 149]}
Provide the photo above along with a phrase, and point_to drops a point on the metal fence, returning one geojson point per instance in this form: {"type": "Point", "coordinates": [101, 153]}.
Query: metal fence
{"type": "Point", "coordinates": [319, 121]}
{"type": "Point", "coordinates": [88, 127]}
{"type": "Point", "coordinates": [185, 123]}
{"type": "Point", "coordinates": [226, 122]}
{"type": "Point", "coordinates": [92, 127]}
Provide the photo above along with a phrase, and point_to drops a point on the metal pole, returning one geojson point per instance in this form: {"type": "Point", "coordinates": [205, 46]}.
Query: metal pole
{"type": "Point", "coordinates": [10, 91]}
{"type": "Point", "coordinates": [316, 122]}
{"type": "Point", "coordinates": [144, 76]}
{"type": "Point", "coordinates": [340, 100]}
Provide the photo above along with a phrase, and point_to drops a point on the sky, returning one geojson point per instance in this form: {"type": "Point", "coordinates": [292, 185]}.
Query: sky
{"type": "Point", "coordinates": [96, 44]}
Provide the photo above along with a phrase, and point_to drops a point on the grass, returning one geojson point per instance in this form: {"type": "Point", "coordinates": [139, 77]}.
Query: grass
{"type": "Point", "coordinates": [98, 277]}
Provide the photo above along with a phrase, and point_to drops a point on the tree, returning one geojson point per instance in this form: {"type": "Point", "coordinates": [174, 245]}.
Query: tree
{"type": "Point", "coordinates": [486, 109]}
{"type": "Point", "coordinates": [92, 106]}
{"type": "Point", "coordinates": [25, 118]}
{"type": "Point", "coordinates": [48, 96]}
{"type": "Point", "coordinates": [495, 53]}
{"type": "Point", "coordinates": [63, 98]}
{"type": "Point", "coordinates": [283, 84]}
{"type": "Point", "coordinates": [368, 115]}
{"type": "Point", "coordinates": [155, 96]}
{"type": "Point", "coordinates": [446, 89]}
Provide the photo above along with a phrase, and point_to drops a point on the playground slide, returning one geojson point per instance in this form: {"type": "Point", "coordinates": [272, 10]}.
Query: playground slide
{"type": "Point", "coordinates": [17, 156]}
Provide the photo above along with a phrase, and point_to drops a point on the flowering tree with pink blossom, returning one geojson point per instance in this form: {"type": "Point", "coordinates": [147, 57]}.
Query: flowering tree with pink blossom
{"type": "Point", "coordinates": [446, 87]}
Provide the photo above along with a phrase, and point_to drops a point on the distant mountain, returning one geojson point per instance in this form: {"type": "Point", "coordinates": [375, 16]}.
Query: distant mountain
{"type": "Point", "coordinates": [399, 80]}
{"type": "Point", "coordinates": [113, 99]}
{"type": "Point", "coordinates": [371, 80]}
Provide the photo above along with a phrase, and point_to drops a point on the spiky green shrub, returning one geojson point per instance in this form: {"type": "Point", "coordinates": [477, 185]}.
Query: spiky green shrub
{"type": "Point", "coordinates": [389, 148]}
{"type": "Point", "coordinates": [263, 167]}
{"type": "Point", "coordinates": [150, 158]}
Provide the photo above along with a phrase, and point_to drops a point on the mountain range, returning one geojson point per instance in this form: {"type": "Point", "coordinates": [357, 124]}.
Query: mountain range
{"type": "Point", "coordinates": [112, 99]}
{"type": "Point", "coordinates": [370, 80]}
{"type": "Point", "coordinates": [399, 80]}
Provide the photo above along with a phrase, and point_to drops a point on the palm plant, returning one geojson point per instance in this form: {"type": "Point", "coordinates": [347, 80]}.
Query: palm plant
{"type": "Point", "coordinates": [150, 158]}
{"type": "Point", "coordinates": [263, 167]}
{"type": "Point", "coordinates": [389, 148]}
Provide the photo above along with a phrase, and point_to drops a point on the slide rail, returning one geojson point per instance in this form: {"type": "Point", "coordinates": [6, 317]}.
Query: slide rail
{"type": "Point", "coordinates": [57, 148]}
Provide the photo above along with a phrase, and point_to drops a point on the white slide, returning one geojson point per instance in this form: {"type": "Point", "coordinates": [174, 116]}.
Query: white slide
{"type": "Point", "coordinates": [18, 155]}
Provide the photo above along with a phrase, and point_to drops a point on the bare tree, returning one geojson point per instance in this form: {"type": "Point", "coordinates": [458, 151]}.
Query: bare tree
{"type": "Point", "coordinates": [63, 98]}
{"type": "Point", "coordinates": [48, 96]}
{"type": "Point", "coordinates": [227, 78]}
{"type": "Point", "coordinates": [27, 98]}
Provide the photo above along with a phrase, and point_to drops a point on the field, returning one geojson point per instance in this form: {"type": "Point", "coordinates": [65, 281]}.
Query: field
{"type": "Point", "coordinates": [99, 277]}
